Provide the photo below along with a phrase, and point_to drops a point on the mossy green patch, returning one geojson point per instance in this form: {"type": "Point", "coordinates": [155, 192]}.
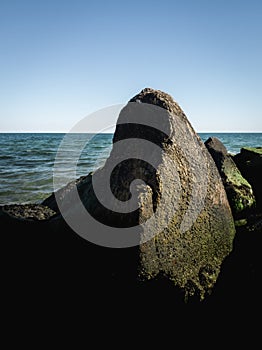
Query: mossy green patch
{"type": "Point", "coordinates": [233, 175]}
{"type": "Point", "coordinates": [241, 222]}
{"type": "Point", "coordinates": [256, 150]}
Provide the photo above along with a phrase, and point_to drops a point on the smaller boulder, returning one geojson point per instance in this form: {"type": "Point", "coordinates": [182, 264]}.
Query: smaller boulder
{"type": "Point", "coordinates": [239, 191]}
{"type": "Point", "coordinates": [249, 162]}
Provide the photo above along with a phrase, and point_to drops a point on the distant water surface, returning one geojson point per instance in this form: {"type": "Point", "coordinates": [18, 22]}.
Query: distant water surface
{"type": "Point", "coordinates": [27, 159]}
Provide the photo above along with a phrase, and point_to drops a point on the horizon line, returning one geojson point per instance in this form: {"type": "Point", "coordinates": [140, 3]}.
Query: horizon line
{"type": "Point", "coordinates": [95, 132]}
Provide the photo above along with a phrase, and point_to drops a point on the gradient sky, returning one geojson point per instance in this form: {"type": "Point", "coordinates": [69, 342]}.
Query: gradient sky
{"type": "Point", "coordinates": [61, 60]}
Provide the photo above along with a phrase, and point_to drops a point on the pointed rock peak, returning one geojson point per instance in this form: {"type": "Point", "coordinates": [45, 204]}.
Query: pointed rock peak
{"type": "Point", "coordinates": [158, 98]}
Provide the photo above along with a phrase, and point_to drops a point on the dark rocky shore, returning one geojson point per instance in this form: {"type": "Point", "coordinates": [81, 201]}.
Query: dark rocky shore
{"type": "Point", "coordinates": [46, 263]}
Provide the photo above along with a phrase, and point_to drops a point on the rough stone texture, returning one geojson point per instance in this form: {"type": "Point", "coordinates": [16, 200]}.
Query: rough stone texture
{"type": "Point", "coordinates": [239, 191]}
{"type": "Point", "coordinates": [249, 162]}
{"type": "Point", "coordinates": [29, 211]}
{"type": "Point", "coordinates": [190, 258]}
{"type": "Point", "coordinates": [195, 228]}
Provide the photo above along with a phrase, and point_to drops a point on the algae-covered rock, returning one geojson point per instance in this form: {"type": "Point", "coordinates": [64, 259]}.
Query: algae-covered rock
{"type": "Point", "coordinates": [249, 162]}
{"type": "Point", "coordinates": [188, 252]}
{"type": "Point", "coordinates": [239, 191]}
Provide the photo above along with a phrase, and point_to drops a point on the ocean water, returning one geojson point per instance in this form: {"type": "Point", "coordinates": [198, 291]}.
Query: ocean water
{"type": "Point", "coordinates": [27, 159]}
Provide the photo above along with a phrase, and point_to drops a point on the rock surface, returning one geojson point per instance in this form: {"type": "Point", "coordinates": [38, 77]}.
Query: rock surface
{"type": "Point", "coordinates": [249, 162]}
{"type": "Point", "coordinates": [28, 211]}
{"type": "Point", "coordinates": [239, 191]}
{"type": "Point", "coordinates": [193, 230]}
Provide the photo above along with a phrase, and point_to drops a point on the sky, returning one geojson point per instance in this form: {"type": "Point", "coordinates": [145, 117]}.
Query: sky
{"type": "Point", "coordinates": [62, 60]}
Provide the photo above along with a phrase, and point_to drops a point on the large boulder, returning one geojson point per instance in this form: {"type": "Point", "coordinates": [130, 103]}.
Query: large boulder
{"type": "Point", "coordinates": [198, 234]}
{"type": "Point", "coordinates": [175, 225]}
{"type": "Point", "coordinates": [239, 191]}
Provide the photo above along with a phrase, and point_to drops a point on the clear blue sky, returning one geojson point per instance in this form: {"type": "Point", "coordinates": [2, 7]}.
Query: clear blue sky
{"type": "Point", "coordinates": [61, 60]}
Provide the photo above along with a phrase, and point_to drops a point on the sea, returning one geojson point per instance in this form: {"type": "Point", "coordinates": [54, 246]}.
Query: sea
{"type": "Point", "coordinates": [27, 160]}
